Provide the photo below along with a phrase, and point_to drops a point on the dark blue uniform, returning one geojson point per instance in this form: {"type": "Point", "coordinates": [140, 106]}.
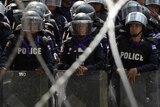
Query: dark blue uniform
{"type": "Point", "coordinates": [141, 55]}
{"type": "Point", "coordinates": [26, 55]}
{"type": "Point", "coordinates": [81, 86]}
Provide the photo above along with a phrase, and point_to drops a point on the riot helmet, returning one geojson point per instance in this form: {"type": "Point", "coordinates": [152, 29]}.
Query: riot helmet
{"type": "Point", "coordinates": [75, 6]}
{"type": "Point", "coordinates": [136, 20]}
{"type": "Point", "coordinates": [81, 24]}
{"type": "Point", "coordinates": [13, 13]}
{"type": "Point", "coordinates": [39, 12]}
{"type": "Point", "coordinates": [152, 2]}
{"type": "Point", "coordinates": [146, 12]}
{"type": "Point", "coordinates": [130, 6]}
{"type": "Point", "coordinates": [97, 4]}
{"type": "Point", "coordinates": [135, 17]}
{"type": "Point", "coordinates": [32, 22]}
{"type": "Point", "coordinates": [2, 10]}
{"type": "Point", "coordinates": [88, 9]}
{"type": "Point", "coordinates": [41, 7]}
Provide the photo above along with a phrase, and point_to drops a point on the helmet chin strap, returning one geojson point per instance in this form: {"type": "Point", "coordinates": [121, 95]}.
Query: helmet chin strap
{"type": "Point", "coordinates": [135, 35]}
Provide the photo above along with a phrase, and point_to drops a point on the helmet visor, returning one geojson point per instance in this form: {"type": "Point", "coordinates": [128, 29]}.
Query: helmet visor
{"type": "Point", "coordinates": [81, 27]}
{"type": "Point", "coordinates": [34, 24]}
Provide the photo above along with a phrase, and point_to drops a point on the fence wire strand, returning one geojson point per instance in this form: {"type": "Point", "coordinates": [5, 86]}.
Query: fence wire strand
{"type": "Point", "coordinates": [108, 26]}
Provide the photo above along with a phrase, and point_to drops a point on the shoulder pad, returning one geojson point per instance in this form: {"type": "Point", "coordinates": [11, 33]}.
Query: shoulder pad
{"type": "Point", "coordinates": [5, 25]}
{"type": "Point", "coordinates": [151, 40]}
{"type": "Point", "coordinates": [45, 39]}
{"type": "Point", "coordinates": [67, 40]}
{"type": "Point", "coordinates": [12, 36]}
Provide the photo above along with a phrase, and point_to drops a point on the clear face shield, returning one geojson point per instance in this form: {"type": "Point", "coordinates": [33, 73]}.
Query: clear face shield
{"type": "Point", "coordinates": [32, 24]}
{"type": "Point", "coordinates": [132, 8]}
{"type": "Point", "coordinates": [81, 27]}
{"type": "Point", "coordinates": [17, 15]}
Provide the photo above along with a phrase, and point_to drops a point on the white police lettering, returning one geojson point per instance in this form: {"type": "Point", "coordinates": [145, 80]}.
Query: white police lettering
{"type": "Point", "coordinates": [32, 51]}
{"type": "Point", "coordinates": [131, 56]}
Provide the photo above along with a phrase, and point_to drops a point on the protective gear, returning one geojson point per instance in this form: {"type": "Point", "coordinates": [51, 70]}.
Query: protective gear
{"type": "Point", "coordinates": [130, 6]}
{"type": "Point", "coordinates": [13, 13]}
{"type": "Point", "coordinates": [95, 1]}
{"type": "Point", "coordinates": [81, 24]}
{"type": "Point", "coordinates": [75, 6]}
{"type": "Point", "coordinates": [146, 12]}
{"type": "Point", "coordinates": [135, 17]}
{"type": "Point", "coordinates": [39, 12]}
{"type": "Point", "coordinates": [31, 21]}
{"type": "Point", "coordinates": [41, 7]}
{"type": "Point", "coordinates": [2, 10]}
{"type": "Point", "coordinates": [154, 2]}
{"type": "Point", "coordinates": [88, 9]}
{"type": "Point", "coordinates": [56, 3]}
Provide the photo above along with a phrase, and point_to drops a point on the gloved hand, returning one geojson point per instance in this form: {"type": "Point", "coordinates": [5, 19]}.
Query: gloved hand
{"type": "Point", "coordinates": [39, 70]}
{"type": "Point", "coordinates": [80, 70]}
{"type": "Point", "coordinates": [132, 73]}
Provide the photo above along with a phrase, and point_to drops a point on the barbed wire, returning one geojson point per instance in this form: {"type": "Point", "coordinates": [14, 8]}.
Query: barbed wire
{"type": "Point", "coordinates": [108, 27]}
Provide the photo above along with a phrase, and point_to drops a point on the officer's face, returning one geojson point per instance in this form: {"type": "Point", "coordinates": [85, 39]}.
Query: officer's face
{"type": "Point", "coordinates": [97, 6]}
{"type": "Point", "coordinates": [32, 28]}
{"type": "Point", "coordinates": [51, 7]}
{"type": "Point", "coordinates": [154, 10]}
{"type": "Point", "coordinates": [135, 28]}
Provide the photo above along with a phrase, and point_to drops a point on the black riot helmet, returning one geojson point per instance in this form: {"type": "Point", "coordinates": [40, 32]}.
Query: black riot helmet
{"type": "Point", "coordinates": [146, 12]}
{"type": "Point", "coordinates": [75, 6]}
{"type": "Point", "coordinates": [2, 10]}
{"type": "Point", "coordinates": [32, 22]}
{"type": "Point", "coordinates": [81, 24]}
{"type": "Point", "coordinates": [40, 7]}
{"type": "Point", "coordinates": [88, 9]}
{"type": "Point", "coordinates": [13, 13]}
{"type": "Point", "coordinates": [130, 6]}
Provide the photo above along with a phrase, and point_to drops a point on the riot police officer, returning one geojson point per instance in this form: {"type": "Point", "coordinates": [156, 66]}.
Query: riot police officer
{"type": "Point", "coordinates": [74, 46]}
{"type": "Point", "coordinates": [5, 31]}
{"type": "Point", "coordinates": [138, 55]}
{"type": "Point", "coordinates": [98, 5]}
{"type": "Point", "coordinates": [26, 54]}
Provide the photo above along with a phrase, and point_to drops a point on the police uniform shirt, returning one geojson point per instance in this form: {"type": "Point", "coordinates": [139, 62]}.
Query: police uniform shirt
{"type": "Point", "coordinates": [72, 51]}
{"type": "Point", "coordinates": [141, 55]}
{"type": "Point", "coordinates": [26, 55]}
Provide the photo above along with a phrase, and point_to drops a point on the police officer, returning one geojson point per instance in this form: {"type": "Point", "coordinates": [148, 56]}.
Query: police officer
{"type": "Point", "coordinates": [60, 20]}
{"type": "Point", "coordinates": [5, 31]}
{"type": "Point", "coordinates": [14, 14]}
{"type": "Point", "coordinates": [97, 24]}
{"type": "Point", "coordinates": [153, 6]}
{"type": "Point", "coordinates": [130, 6]}
{"type": "Point", "coordinates": [73, 47]}
{"type": "Point", "coordinates": [25, 58]}
{"type": "Point", "coordinates": [140, 63]}
{"type": "Point", "coordinates": [138, 55]}
{"type": "Point", "coordinates": [98, 5]}
{"type": "Point", "coordinates": [26, 54]}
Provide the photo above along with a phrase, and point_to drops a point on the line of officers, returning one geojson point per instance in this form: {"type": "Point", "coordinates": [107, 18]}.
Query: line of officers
{"type": "Point", "coordinates": [61, 38]}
